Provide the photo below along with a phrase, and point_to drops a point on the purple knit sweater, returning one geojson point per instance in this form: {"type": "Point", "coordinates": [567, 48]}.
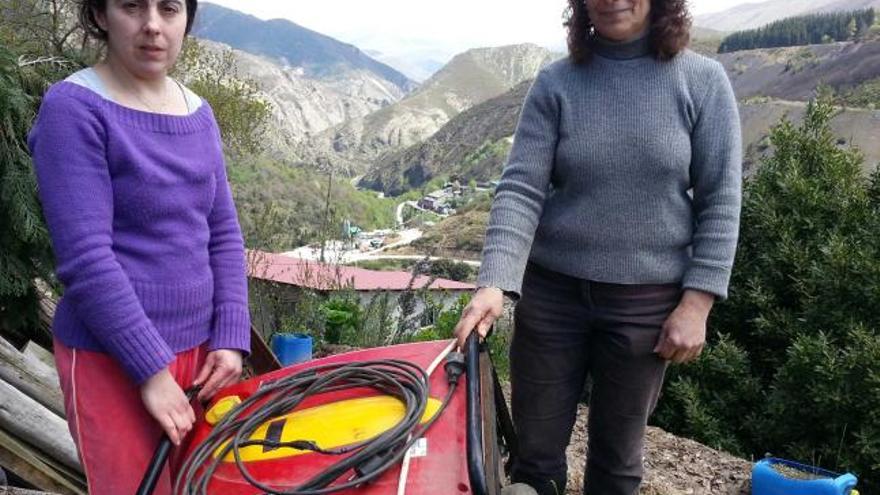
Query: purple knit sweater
{"type": "Point", "coordinates": [144, 229]}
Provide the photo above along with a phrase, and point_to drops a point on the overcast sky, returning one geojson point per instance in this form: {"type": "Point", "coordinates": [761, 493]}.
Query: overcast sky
{"type": "Point", "coordinates": [433, 28]}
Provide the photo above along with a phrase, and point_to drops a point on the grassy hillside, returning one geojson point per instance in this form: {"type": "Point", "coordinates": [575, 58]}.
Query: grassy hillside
{"type": "Point", "coordinates": [706, 41]}
{"type": "Point", "coordinates": [864, 95]}
{"type": "Point", "coordinates": [282, 206]}
{"type": "Point", "coordinates": [459, 236]}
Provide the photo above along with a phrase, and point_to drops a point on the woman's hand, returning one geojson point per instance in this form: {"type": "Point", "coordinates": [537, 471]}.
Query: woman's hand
{"type": "Point", "coordinates": [485, 307]}
{"type": "Point", "coordinates": [684, 332]}
{"type": "Point", "coordinates": [166, 402]}
{"type": "Point", "coordinates": [222, 367]}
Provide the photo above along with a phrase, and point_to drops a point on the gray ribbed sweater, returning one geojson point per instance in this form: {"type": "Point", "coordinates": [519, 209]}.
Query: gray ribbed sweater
{"type": "Point", "coordinates": [624, 170]}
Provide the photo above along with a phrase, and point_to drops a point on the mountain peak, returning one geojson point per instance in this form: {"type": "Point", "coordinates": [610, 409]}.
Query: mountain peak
{"type": "Point", "coordinates": [506, 65]}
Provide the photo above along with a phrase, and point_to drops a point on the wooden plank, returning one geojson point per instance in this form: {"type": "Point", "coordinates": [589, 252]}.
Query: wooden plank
{"type": "Point", "coordinates": [33, 378]}
{"type": "Point", "coordinates": [29, 465]}
{"type": "Point", "coordinates": [48, 302]}
{"type": "Point", "coordinates": [29, 420]}
{"type": "Point", "coordinates": [70, 474]}
{"type": "Point", "coordinates": [34, 350]}
{"type": "Point", "coordinates": [261, 359]}
{"type": "Point", "coordinates": [11, 490]}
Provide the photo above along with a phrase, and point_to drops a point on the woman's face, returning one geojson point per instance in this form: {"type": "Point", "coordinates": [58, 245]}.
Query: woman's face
{"type": "Point", "coordinates": [619, 20]}
{"type": "Point", "coordinates": [145, 36]}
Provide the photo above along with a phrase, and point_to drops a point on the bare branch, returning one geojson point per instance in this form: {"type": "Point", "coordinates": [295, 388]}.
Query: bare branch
{"type": "Point", "coordinates": [59, 61]}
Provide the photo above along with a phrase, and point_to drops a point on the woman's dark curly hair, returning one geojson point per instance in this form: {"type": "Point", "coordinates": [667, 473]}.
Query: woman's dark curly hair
{"type": "Point", "coordinates": [670, 29]}
{"type": "Point", "coordinates": [88, 9]}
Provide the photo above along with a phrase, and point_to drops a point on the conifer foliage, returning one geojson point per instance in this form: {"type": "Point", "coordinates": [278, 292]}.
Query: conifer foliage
{"type": "Point", "coordinates": [802, 30]}
{"type": "Point", "coordinates": [26, 252]}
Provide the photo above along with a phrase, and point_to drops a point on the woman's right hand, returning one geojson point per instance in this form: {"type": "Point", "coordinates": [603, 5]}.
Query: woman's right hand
{"type": "Point", "coordinates": [485, 307]}
{"type": "Point", "coordinates": [167, 403]}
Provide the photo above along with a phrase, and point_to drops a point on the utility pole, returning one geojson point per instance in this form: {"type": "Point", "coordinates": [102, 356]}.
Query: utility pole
{"type": "Point", "coordinates": [326, 224]}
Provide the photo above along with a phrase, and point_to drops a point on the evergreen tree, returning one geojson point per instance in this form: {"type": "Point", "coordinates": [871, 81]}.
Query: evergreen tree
{"type": "Point", "coordinates": [794, 366]}
{"type": "Point", "coordinates": [26, 253]}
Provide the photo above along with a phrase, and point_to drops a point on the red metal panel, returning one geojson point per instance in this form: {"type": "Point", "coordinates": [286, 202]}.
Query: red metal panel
{"type": "Point", "coordinates": [443, 470]}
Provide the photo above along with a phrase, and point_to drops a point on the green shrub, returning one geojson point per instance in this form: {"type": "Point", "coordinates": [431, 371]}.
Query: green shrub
{"type": "Point", "coordinates": [342, 317]}
{"type": "Point", "coordinates": [451, 269]}
{"type": "Point", "coordinates": [793, 362]}
{"type": "Point", "coordinates": [709, 399]}
{"type": "Point", "coordinates": [866, 94]}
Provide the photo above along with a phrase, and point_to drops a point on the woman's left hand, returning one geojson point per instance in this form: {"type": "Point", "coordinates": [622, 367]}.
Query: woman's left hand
{"type": "Point", "coordinates": [222, 367]}
{"type": "Point", "coordinates": [684, 331]}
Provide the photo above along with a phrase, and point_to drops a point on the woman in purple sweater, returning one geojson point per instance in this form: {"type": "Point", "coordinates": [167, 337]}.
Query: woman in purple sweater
{"type": "Point", "coordinates": [134, 189]}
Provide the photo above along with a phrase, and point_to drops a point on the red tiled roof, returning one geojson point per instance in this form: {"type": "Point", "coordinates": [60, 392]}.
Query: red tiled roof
{"type": "Point", "coordinates": [321, 276]}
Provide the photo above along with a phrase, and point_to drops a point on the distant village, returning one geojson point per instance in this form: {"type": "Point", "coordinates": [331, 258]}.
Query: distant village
{"type": "Point", "coordinates": [441, 201]}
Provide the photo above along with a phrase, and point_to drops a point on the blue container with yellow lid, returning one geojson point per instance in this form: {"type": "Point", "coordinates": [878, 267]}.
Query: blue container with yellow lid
{"type": "Point", "coordinates": [774, 476]}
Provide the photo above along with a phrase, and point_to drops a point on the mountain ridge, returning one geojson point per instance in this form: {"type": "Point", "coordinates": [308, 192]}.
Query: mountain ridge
{"type": "Point", "coordinates": [753, 15]}
{"type": "Point", "coordinates": [319, 55]}
{"type": "Point", "coordinates": [468, 79]}
{"type": "Point", "coordinates": [769, 83]}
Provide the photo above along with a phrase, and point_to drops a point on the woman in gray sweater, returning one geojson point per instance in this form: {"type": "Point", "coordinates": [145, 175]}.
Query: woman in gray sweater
{"type": "Point", "coordinates": [614, 225]}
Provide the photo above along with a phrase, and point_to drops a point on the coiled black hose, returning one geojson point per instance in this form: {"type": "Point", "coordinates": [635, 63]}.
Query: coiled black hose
{"type": "Point", "coordinates": [368, 460]}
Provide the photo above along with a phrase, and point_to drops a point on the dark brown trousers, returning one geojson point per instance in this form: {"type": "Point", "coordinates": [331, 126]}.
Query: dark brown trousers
{"type": "Point", "coordinates": [565, 329]}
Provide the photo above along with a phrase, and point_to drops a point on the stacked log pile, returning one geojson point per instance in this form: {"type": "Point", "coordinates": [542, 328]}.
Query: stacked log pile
{"type": "Point", "coordinates": [35, 444]}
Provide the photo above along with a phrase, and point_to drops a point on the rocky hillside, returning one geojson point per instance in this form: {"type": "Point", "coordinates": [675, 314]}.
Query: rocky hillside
{"type": "Point", "coordinates": [304, 106]}
{"type": "Point", "coordinates": [462, 235]}
{"type": "Point", "coordinates": [313, 81]}
{"type": "Point", "coordinates": [470, 78]}
{"type": "Point", "coordinates": [752, 15]}
{"type": "Point", "coordinates": [793, 73]}
{"type": "Point", "coordinates": [472, 145]}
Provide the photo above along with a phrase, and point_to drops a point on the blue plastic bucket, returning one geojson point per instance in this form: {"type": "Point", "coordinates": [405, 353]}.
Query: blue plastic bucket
{"type": "Point", "coordinates": [768, 481]}
{"type": "Point", "coordinates": [292, 348]}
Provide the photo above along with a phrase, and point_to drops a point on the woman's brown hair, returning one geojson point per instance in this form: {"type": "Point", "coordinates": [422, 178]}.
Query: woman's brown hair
{"type": "Point", "coordinates": [88, 10]}
{"type": "Point", "coordinates": [670, 29]}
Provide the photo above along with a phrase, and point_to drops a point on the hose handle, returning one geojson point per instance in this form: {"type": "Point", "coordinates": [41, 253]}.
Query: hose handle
{"type": "Point", "coordinates": [160, 455]}
{"type": "Point", "coordinates": [476, 462]}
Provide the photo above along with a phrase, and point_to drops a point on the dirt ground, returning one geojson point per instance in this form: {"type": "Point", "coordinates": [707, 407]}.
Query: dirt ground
{"type": "Point", "coordinates": [673, 465]}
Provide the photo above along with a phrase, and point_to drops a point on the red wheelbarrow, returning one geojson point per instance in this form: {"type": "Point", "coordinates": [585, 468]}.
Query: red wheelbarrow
{"type": "Point", "coordinates": [390, 420]}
